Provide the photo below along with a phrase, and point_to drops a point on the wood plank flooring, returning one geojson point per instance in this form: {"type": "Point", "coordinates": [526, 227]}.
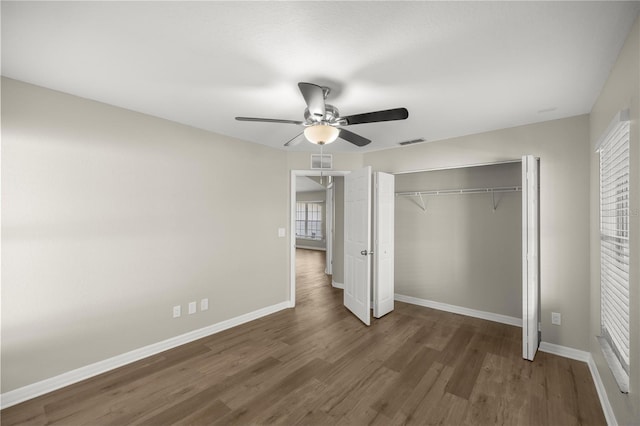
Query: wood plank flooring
{"type": "Point", "coordinates": [318, 365]}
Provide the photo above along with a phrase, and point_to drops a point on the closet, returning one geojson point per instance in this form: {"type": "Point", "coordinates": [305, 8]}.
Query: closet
{"type": "Point", "coordinates": [458, 239]}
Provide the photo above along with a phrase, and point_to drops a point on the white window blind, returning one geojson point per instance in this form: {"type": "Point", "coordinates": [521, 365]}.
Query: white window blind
{"type": "Point", "coordinates": [614, 239]}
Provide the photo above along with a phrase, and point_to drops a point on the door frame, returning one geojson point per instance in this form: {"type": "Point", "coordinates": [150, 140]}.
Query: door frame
{"type": "Point", "coordinates": [515, 160]}
{"type": "Point", "coordinates": [329, 227]}
{"type": "Point", "coordinates": [292, 223]}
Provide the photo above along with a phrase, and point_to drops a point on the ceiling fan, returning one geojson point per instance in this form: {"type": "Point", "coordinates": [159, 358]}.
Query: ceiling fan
{"type": "Point", "coordinates": [323, 123]}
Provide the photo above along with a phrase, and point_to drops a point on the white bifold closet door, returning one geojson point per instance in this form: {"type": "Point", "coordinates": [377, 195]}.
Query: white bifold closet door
{"type": "Point", "coordinates": [383, 235]}
{"type": "Point", "coordinates": [358, 253]}
{"type": "Point", "coordinates": [530, 257]}
{"type": "Point", "coordinates": [357, 243]}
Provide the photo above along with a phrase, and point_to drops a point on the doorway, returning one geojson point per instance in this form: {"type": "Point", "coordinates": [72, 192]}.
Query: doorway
{"type": "Point", "coordinates": [332, 246]}
{"type": "Point", "coordinates": [468, 242]}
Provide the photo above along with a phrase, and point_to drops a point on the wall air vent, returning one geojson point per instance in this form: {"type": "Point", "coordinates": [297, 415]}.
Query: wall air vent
{"type": "Point", "coordinates": [321, 161]}
{"type": "Point", "coordinates": [412, 141]}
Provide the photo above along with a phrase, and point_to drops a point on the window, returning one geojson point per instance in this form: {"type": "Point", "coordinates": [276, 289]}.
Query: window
{"type": "Point", "coordinates": [614, 247]}
{"type": "Point", "coordinates": [309, 222]}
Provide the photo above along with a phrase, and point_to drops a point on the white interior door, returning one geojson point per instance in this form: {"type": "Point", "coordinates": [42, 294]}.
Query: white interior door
{"type": "Point", "coordinates": [530, 267]}
{"type": "Point", "coordinates": [357, 243]}
{"type": "Point", "coordinates": [383, 247]}
{"type": "Point", "coordinates": [328, 235]}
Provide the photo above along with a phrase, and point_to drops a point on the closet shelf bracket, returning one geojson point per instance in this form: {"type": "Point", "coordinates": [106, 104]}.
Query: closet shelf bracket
{"type": "Point", "coordinates": [422, 203]}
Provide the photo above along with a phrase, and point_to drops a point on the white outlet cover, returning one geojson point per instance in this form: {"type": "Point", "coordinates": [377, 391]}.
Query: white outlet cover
{"type": "Point", "coordinates": [204, 304]}
{"type": "Point", "coordinates": [177, 311]}
{"type": "Point", "coordinates": [556, 318]}
{"type": "Point", "coordinates": [281, 232]}
{"type": "Point", "coordinates": [192, 308]}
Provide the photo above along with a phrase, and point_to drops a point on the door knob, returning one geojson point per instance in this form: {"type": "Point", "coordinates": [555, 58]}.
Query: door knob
{"type": "Point", "coordinates": [364, 252]}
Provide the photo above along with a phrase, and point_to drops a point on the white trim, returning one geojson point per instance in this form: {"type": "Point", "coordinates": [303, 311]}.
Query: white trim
{"type": "Point", "coordinates": [564, 351]}
{"type": "Point", "coordinates": [622, 115]}
{"type": "Point", "coordinates": [33, 390]}
{"type": "Point", "coordinates": [551, 348]}
{"type": "Point", "coordinates": [504, 319]}
{"type": "Point", "coordinates": [311, 248]}
{"type": "Point", "coordinates": [336, 284]}
{"type": "Point", "coordinates": [292, 223]}
{"type": "Point", "coordinates": [584, 356]}
{"type": "Point", "coordinates": [615, 366]}
{"type": "Point", "coordinates": [609, 415]}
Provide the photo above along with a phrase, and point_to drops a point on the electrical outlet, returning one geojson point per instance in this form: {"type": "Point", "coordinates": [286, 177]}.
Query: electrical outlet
{"type": "Point", "coordinates": [192, 308]}
{"type": "Point", "coordinates": [556, 318]}
{"type": "Point", "coordinates": [204, 304]}
{"type": "Point", "coordinates": [177, 311]}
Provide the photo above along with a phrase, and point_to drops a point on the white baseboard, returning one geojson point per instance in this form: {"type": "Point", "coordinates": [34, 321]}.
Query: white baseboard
{"type": "Point", "coordinates": [336, 284]}
{"type": "Point", "coordinates": [609, 415]}
{"type": "Point", "coordinates": [311, 248]}
{"type": "Point", "coordinates": [504, 319]}
{"type": "Point", "coordinates": [74, 376]}
{"type": "Point", "coordinates": [564, 351]}
{"type": "Point", "coordinates": [551, 348]}
{"type": "Point", "coordinates": [597, 380]}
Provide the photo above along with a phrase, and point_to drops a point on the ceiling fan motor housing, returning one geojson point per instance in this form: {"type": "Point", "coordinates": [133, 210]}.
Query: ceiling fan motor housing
{"type": "Point", "coordinates": [331, 116]}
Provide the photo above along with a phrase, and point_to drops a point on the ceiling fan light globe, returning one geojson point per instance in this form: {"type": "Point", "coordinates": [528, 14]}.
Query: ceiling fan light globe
{"type": "Point", "coordinates": [321, 134]}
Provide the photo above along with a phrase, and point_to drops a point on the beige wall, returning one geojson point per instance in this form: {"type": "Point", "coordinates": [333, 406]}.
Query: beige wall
{"type": "Point", "coordinates": [460, 251]}
{"type": "Point", "coordinates": [110, 218]}
{"type": "Point", "coordinates": [621, 91]}
{"type": "Point", "coordinates": [563, 149]}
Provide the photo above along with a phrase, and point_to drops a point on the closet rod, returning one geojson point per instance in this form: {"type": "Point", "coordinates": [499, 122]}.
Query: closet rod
{"type": "Point", "coordinates": [459, 191]}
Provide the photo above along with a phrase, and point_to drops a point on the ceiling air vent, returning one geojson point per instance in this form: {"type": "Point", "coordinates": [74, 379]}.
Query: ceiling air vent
{"type": "Point", "coordinates": [412, 141]}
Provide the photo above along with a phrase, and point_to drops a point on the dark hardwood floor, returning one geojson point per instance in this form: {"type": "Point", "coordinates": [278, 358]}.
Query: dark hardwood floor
{"type": "Point", "coordinates": [318, 365]}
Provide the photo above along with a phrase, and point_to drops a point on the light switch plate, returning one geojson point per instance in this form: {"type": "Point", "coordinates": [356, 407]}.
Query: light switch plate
{"type": "Point", "coordinates": [204, 304]}
{"type": "Point", "coordinates": [556, 318]}
{"type": "Point", "coordinates": [192, 308]}
{"type": "Point", "coordinates": [282, 232]}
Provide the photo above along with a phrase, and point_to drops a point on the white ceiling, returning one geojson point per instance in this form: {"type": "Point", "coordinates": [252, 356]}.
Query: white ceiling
{"type": "Point", "coordinates": [458, 67]}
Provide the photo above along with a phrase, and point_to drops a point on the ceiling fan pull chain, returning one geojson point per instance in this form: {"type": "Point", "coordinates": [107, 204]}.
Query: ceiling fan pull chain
{"type": "Point", "coordinates": [321, 164]}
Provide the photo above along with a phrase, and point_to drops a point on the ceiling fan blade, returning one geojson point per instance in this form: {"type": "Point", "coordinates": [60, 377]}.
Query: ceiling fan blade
{"type": "Point", "coordinates": [296, 140]}
{"type": "Point", "coordinates": [269, 120]}
{"type": "Point", "coordinates": [372, 117]}
{"type": "Point", "coordinates": [314, 97]}
{"type": "Point", "coordinates": [353, 138]}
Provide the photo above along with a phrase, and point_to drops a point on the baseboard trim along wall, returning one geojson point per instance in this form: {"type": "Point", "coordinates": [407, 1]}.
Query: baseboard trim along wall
{"type": "Point", "coordinates": [65, 379]}
{"type": "Point", "coordinates": [311, 248]}
{"type": "Point", "coordinates": [551, 348]}
{"type": "Point", "coordinates": [504, 319]}
{"type": "Point", "coordinates": [336, 284]}
{"type": "Point", "coordinates": [74, 376]}
{"type": "Point", "coordinates": [595, 375]}
{"type": "Point", "coordinates": [564, 351]}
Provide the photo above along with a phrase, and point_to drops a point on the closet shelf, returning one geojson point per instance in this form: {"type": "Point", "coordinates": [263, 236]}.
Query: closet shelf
{"type": "Point", "coordinates": [491, 191]}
